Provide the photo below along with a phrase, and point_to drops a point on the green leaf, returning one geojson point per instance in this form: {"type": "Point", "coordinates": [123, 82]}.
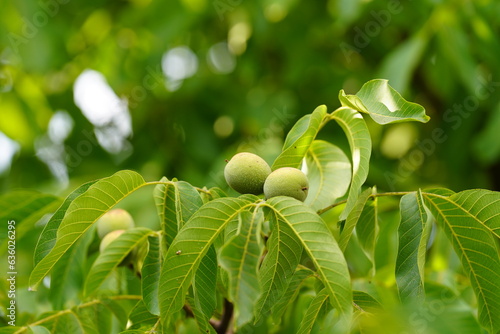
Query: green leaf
{"type": "Point", "coordinates": [284, 251]}
{"type": "Point", "coordinates": [384, 104]}
{"type": "Point", "coordinates": [48, 236]}
{"type": "Point", "coordinates": [464, 222]}
{"type": "Point", "coordinates": [367, 228]}
{"type": "Point", "coordinates": [399, 64]}
{"type": "Point", "coordinates": [300, 138]}
{"type": "Point", "coordinates": [66, 280]}
{"type": "Point", "coordinates": [140, 315]}
{"type": "Point", "coordinates": [113, 255]}
{"type": "Point", "coordinates": [364, 302]}
{"type": "Point", "coordinates": [63, 323]}
{"type": "Point", "coordinates": [482, 204]}
{"type": "Point", "coordinates": [150, 274]}
{"type": "Point", "coordinates": [313, 312]}
{"type": "Point", "coordinates": [353, 218]}
{"type": "Point", "coordinates": [205, 284]}
{"type": "Point", "coordinates": [176, 201]}
{"type": "Point", "coordinates": [291, 292]}
{"type": "Point", "coordinates": [240, 256]}
{"type": "Point", "coordinates": [82, 213]}
{"type": "Point", "coordinates": [39, 330]}
{"type": "Point", "coordinates": [329, 174]}
{"type": "Point", "coordinates": [201, 319]}
{"type": "Point", "coordinates": [360, 143]}
{"type": "Point", "coordinates": [95, 318]}
{"type": "Point", "coordinates": [189, 247]}
{"type": "Point", "coordinates": [409, 275]}
{"type": "Point", "coordinates": [25, 208]}
{"type": "Point", "coordinates": [322, 249]}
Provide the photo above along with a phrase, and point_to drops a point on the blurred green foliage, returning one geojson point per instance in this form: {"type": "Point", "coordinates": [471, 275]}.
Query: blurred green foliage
{"type": "Point", "coordinates": [290, 56]}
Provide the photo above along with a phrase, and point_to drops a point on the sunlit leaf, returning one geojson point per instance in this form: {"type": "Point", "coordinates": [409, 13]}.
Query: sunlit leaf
{"type": "Point", "coordinates": [360, 143]}
{"type": "Point", "coordinates": [299, 139]}
{"type": "Point", "coordinates": [83, 212]}
{"type": "Point", "coordinates": [205, 283]}
{"type": "Point", "coordinates": [329, 174]}
{"type": "Point", "coordinates": [48, 237]}
{"type": "Point", "coordinates": [384, 104]}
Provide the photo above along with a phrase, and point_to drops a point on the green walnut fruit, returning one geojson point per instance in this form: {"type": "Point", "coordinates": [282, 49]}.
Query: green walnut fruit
{"type": "Point", "coordinates": [246, 173]}
{"type": "Point", "coordinates": [287, 181]}
{"type": "Point", "coordinates": [116, 219]}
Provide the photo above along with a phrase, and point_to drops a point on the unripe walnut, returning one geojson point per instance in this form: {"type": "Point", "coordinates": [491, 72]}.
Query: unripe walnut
{"type": "Point", "coordinates": [116, 219]}
{"type": "Point", "coordinates": [246, 173]}
{"type": "Point", "coordinates": [287, 181]}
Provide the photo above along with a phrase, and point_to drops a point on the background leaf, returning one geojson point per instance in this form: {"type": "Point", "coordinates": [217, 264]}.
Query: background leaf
{"type": "Point", "coordinates": [329, 174]}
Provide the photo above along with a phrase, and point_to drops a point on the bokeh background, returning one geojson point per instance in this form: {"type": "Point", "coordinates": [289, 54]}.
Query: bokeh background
{"type": "Point", "coordinates": [173, 88]}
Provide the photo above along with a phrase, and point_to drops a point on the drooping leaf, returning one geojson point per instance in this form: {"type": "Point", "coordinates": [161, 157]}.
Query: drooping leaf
{"type": "Point", "coordinates": [360, 143]}
{"type": "Point", "coordinates": [367, 228]}
{"type": "Point", "coordinates": [48, 237]}
{"type": "Point", "coordinates": [95, 318]}
{"type": "Point", "coordinates": [409, 276]}
{"type": "Point", "coordinates": [150, 274]}
{"type": "Point", "coordinates": [83, 212]}
{"type": "Point", "coordinates": [291, 293]}
{"type": "Point", "coordinates": [353, 218]}
{"type": "Point", "coordinates": [384, 104]}
{"type": "Point", "coordinates": [205, 284]}
{"type": "Point", "coordinates": [313, 312]}
{"type": "Point", "coordinates": [202, 320]}
{"type": "Point", "coordinates": [464, 222]}
{"type": "Point", "coordinates": [329, 174]}
{"type": "Point", "coordinates": [322, 249]}
{"type": "Point", "coordinates": [176, 201]}
{"type": "Point", "coordinates": [284, 251]}
{"type": "Point", "coordinates": [189, 247]}
{"type": "Point", "coordinates": [141, 316]}
{"type": "Point", "coordinates": [240, 256]}
{"type": "Point", "coordinates": [299, 139]}
{"type": "Point", "coordinates": [113, 255]}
